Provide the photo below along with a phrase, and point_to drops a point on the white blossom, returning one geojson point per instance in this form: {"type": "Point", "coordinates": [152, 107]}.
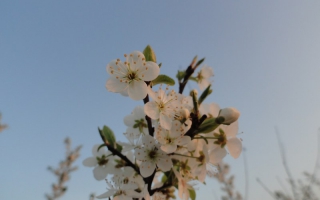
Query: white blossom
{"type": "Point", "coordinates": [204, 77]}
{"type": "Point", "coordinates": [163, 107]}
{"type": "Point", "coordinates": [151, 156]}
{"type": "Point", "coordinates": [102, 161]}
{"type": "Point", "coordinates": [128, 78]}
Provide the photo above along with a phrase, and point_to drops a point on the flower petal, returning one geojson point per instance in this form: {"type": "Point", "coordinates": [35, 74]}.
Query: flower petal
{"type": "Point", "coordinates": [100, 173]}
{"type": "Point", "coordinates": [140, 153]}
{"type": "Point", "coordinates": [217, 154]}
{"type": "Point", "coordinates": [147, 168]}
{"type": "Point", "coordinates": [151, 109]}
{"type": "Point", "coordinates": [148, 141]}
{"type": "Point", "coordinates": [164, 163]}
{"type": "Point", "coordinates": [234, 146]}
{"type": "Point", "coordinates": [136, 60]}
{"type": "Point", "coordinates": [137, 90]}
{"type": "Point", "coordinates": [165, 121]}
{"type": "Point", "coordinates": [90, 162]}
{"type": "Point", "coordinates": [106, 194]}
{"type": "Point", "coordinates": [149, 72]}
{"type": "Point", "coordinates": [114, 85]}
{"type": "Point", "coordinates": [169, 148]}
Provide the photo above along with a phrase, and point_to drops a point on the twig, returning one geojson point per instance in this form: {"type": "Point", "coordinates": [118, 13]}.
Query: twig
{"type": "Point", "coordinates": [283, 186]}
{"type": "Point", "coordinates": [266, 189]}
{"type": "Point", "coordinates": [317, 164]}
{"type": "Point", "coordinates": [284, 162]}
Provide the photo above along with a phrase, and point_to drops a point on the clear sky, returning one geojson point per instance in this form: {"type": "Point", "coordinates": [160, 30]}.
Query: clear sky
{"type": "Point", "coordinates": [53, 54]}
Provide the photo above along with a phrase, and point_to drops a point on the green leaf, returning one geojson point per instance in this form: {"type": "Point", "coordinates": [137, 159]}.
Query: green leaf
{"type": "Point", "coordinates": [192, 194]}
{"type": "Point", "coordinates": [163, 79]}
{"type": "Point", "coordinates": [199, 62]}
{"type": "Point", "coordinates": [103, 145]}
{"type": "Point", "coordinates": [204, 94]}
{"type": "Point", "coordinates": [160, 64]}
{"type": "Point", "coordinates": [108, 136]}
{"type": "Point", "coordinates": [149, 54]}
{"type": "Point", "coordinates": [119, 147]}
{"type": "Point", "coordinates": [208, 125]}
{"type": "Point", "coordinates": [180, 75]}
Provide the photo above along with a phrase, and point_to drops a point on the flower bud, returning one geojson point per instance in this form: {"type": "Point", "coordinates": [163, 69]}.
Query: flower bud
{"type": "Point", "coordinates": [228, 116]}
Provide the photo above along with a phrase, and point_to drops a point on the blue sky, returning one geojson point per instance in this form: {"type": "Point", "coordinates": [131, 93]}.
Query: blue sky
{"type": "Point", "coordinates": [53, 55]}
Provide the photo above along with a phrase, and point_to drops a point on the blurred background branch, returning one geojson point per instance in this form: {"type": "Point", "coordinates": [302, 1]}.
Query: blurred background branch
{"type": "Point", "coordinates": [2, 126]}
{"type": "Point", "coordinates": [62, 172]}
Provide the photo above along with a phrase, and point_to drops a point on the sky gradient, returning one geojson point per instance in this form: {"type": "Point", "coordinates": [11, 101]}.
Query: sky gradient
{"type": "Point", "coordinates": [53, 57]}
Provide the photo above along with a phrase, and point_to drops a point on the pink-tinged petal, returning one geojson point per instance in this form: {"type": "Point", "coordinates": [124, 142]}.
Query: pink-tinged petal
{"type": "Point", "coordinates": [234, 146]}
{"type": "Point", "coordinates": [99, 173]}
{"type": "Point", "coordinates": [106, 194]}
{"type": "Point", "coordinates": [207, 71]}
{"type": "Point", "coordinates": [183, 140]}
{"type": "Point", "coordinates": [153, 95]}
{"type": "Point", "coordinates": [129, 186]}
{"type": "Point", "coordinates": [140, 153]}
{"type": "Point", "coordinates": [151, 109]}
{"type": "Point", "coordinates": [232, 129]}
{"type": "Point", "coordinates": [149, 72]}
{"type": "Point", "coordinates": [214, 109]}
{"type": "Point", "coordinates": [204, 84]}
{"type": "Point", "coordinates": [135, 59]}
{"type": "Point", "coordinates": [133, 194]}
{"type": "Point", "coordinates": [169, 148]}
{"type": "Point", "coordinates": [114, 85]}
{"type": "Point", "coordinates": [148, 141]}
{"type": "Point", "coordinates": [204, 109]}
{"type": "Point", "coordinates": [90, 162]}
{"type": "Point", "coordinates": [165, 121]}
{"type": "Point", "coordinates": [137, 90]}
{"type": "Point", "coordinates": [164, 163]}
{"type": "Point", "coordinates": [147, 168]}
{"type": "Point", "coordinates": [217, 154]}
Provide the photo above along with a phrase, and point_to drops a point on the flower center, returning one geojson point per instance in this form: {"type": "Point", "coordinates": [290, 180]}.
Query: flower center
{"type": "Point", "coordinates": [220, 138]}
{"type": "Point", "coordinates": [153, 154]}
{"type": "Point", "coordinates": [102, 160]}
{"type": "Point", "coordinates": [131, 76]}
{"type": "Point", "coordinates": [140, 124]}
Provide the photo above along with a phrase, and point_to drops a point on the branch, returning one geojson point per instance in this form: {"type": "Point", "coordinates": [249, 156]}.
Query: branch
{"type": "Point", "coordinates": [123, 157]}
{"type": "Point", "coordinates": [196, 122]}
{"type": "Point", "coordinates": [150, 128]}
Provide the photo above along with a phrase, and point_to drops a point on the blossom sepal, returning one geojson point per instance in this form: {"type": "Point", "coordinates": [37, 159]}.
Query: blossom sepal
{"type": "Point", "coordinates": [108, 136]}
{"type": "Point", "coordinates": [208, 125]}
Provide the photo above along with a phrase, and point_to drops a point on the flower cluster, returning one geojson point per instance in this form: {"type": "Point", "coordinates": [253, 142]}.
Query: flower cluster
{"type": "Point", "coordinates": [174, 140]}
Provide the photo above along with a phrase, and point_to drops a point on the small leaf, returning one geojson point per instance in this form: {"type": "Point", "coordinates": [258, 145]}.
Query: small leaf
{"type": "Point", "coordinates": [180, 75]}
{"type": "Point", "coordinates": [149, 54]}
{"type": "Point", "coordinates": [208, 125]}
{"type": "Point", "coordinates": [119, 147]}
{"type": "Point", "coordinates": [160, 64]}
{"type": "Point", "coordinates": [193, 79]}
{"type": "Point", "coordinates": [108, 136]}
{"type": "Point", "coordinates": [103, 145]}
{"type": "Point", "coordinates": [204, 94]}
{"type": "Point", "coordinates": [199, 62]}
{"type": "Point", "coordinates": [192, 194]}
{"type": "Point", "coordinates": [163, 79]}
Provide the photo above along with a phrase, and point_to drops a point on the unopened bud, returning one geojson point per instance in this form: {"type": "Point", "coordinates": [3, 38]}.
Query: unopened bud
{"type": "Point", "coordinates": [228, 116]}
